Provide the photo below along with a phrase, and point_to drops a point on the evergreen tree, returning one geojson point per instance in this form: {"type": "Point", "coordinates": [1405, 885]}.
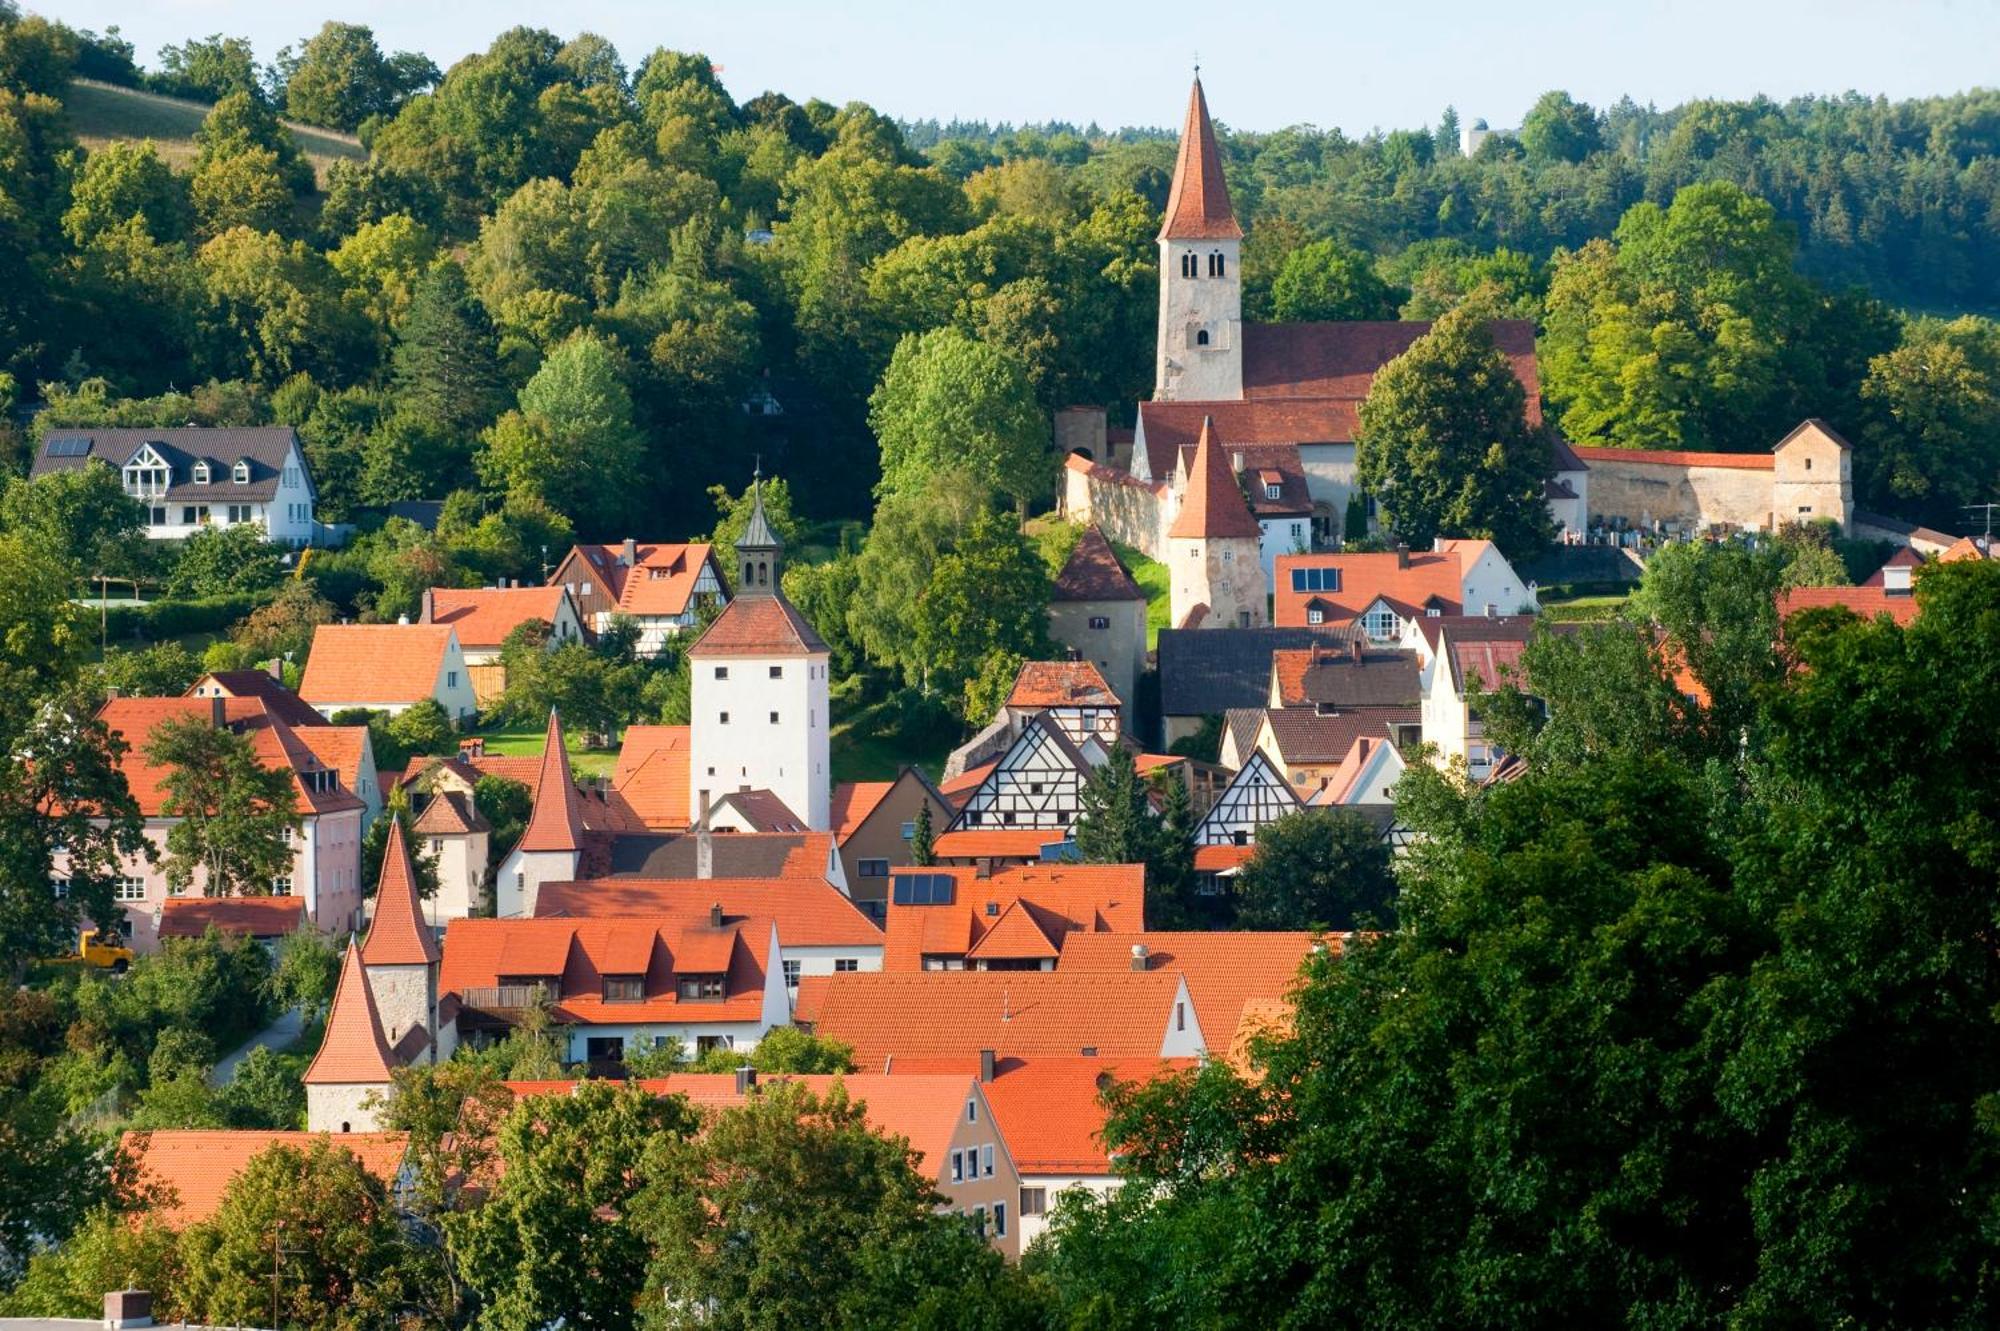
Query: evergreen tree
{"type": "Point", "coordinates": [921, 851]}
{"type": "Point", "coordinates": [1115, 822]}
{"type": "Point", "coordinates": [445, 366]}
{"type": "Point", "coordinates": [1170, 890]}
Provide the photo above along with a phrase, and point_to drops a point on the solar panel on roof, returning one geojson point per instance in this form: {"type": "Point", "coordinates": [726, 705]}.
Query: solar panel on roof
{"type": "Point", "coordinates": [66, 448]}
{"type": "Point", "coordinates": [924, 889]}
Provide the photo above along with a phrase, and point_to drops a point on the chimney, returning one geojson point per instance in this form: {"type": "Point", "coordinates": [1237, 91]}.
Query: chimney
{"type": "Point", "coordinates": [402, 621]}
{"type": "Point", "coordinates": [275, 667]}
{"type": "Point", "coordinates": [472, 746]}
{"type": "Point", "coordinates": [746, 1079]}
{"type": "Point", "coordinates": [630, 555]}
{"type": "Point", "coordinates": [982, 868]}
{"type": "Point", "coordinates": [1437, 545]}
{"type": "Point", "coordinates": [1354, 650]}
{"type": "Point", "coordinates": [1140, 955]}
{"type": "Point", "coordinates": [704, 843]}
{"type": "Point", "coordinates": [1236, 460]}
{"type": "Point", "coordinates": [1895, 580]}
{"type": "Point", "coordinates": [986, 1065]}
{"type": "Point", "coordinates": [218, 711]}
{"type": "Point", "coordinates": [1402, 555]}
{"type": "Point", "coordinates": [424, 616]}
{"type": "Point", "coordinates": [127, 1308]}
{"type": "Point", "coordinates": [715, 915]}
{"type": "Point", "coordinates": [113, 691]}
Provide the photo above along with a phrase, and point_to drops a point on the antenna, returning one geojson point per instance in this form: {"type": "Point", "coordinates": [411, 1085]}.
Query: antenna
{"type": "Point", "coordinates": [1986, 509]}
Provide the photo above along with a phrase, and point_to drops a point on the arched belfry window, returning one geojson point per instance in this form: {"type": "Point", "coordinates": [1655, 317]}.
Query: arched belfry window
{"type": "Point", "coordinates": [1215, 264]}
{"type": "Point", "coordinates": [1201, 338]}
{"type": "Point", "coordinates": [749, 573]}
{"type": "Point", "coordinates": [1190, 265]}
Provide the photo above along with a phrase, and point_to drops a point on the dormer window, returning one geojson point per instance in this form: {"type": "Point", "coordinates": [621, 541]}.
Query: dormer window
{"type": "Point", "coordinates": [147, 474]}
{"type": "Point", "coordinates": [700, 988]}
{"type": "Point", "coordinates": [240, 473]}
{"type": "Point", "coordinates": [1272, 489]}
{"type": "Point", "coordinates": [624, 988]}
{"type": "Point", "coordinates": [201, 473]}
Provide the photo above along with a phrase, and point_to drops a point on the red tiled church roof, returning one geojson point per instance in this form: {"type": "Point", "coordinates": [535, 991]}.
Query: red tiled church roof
{"type": "Point", "coordinates": [555, 824]}
{"type": "Point", "coordinates": [1198, 205]}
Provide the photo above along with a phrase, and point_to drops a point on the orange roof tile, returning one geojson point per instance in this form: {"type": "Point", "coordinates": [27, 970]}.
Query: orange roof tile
{"type": "Point", "coordinates": [1667, 457]}
{"type": "Point", "coordinates": [398, 936]}
{"type": "Point", "coordinates": [1212, 504]}
{"type": "Point", "coordinates": [1060, 684]}
{"type": "Point", "coordinates": [353, 1052]}
{"type": "Point", "coordinates": [1024, 1013]}
{"type": "Point", "coordinates": [249, 917]}
{"type": "Point", "coordinates": [1218, 859]}
{"type": "Point", "coordinates": [1961, 549]}
{"type": "Point", "coordinates": [374, 664]}
{"type": "Point", "coordinates": [810, 911]}
{"type": "Point", "coordinates": [1867, 602]}
{"type": "Point", "coordinates": [276, 744]}
{"type": "Point", "coordinates": [1000, 843]}
{"type": "Point", "coordinates": [278, 700]}
{"type": "Point", "coordinates": [1066, 898]}
{"type": "Point", "coordinates": [342, 748]}
{"type": "Point", "coordinates": [484, 616]}
{"type": "Point", "coordinates": [1433, 577]}
{"type": "Point", "coordinates": [652, 774]}
{"type": "Point", "coordinates": [1050, 1111]}
{"type": "Point", "coordinates": [852, 802]}
{"type": "Point", "coordinates": [197, 1166]}
{"type": "Point", "coordinates": [967, 781]}
{"type": "Point", "coordinates": [1015, 936]}
{"type": "Point", "coordinates": [1198, 204]}
{"type": "Point", "coordinates": [659, 582]}
{"type": "Point", "coordinates": [579, 953]}
{"type": "Point", "coordinates": [556, 823]}
{"type": "Point", "coordinates": [759, 626]}
{"type": "Point", "coordinates": [1224, 970]}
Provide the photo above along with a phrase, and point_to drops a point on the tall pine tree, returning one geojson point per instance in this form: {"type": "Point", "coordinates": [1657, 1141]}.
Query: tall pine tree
{"type": "Point", "coordinates": [446, 369]}
{"type": "Point", "coordinates": [1116, 823]}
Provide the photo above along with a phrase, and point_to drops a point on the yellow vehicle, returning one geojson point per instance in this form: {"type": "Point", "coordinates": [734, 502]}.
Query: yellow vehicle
{"type": "Point", "coordinates": [105, 949]}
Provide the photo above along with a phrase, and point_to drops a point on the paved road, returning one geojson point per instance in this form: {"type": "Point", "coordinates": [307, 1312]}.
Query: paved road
{"type": "Point", "coordinates": [280, 1035]}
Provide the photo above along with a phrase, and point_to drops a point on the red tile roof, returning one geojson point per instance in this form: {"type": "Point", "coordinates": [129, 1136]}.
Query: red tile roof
{"type": "Point", "coordinates": [809, 912]}
{"type": "Point", "coordinates": [1216, 859]}
{"type": "Point", "coordinates": [763, 810]}
{"type": "Point", "coordinates": [449, 813]}
{"type": "Point", "coordinates": [1961, 549]}
{"type": "Point", "coordinates": [196, 1167]}
{"type": "Point", "coordinates": [1015, 936]}
{"type": "Point", "coordinates": [1212, 505]}
{"type": "Point", "coordinates": [398, 936]}
{"type": "Point", "coordinates": [652, 775]}
{"type": "Point", "coordinates": [342, 748]}
{"type": "Point", "coordinates": [279, 701]}
{"type": "Point", "coordinates": [276, 744]}
{"type": "Point", "coordinates": [1020, 1013]}
{"type": "Point", "coordinates": [1867, 602]}
{"type": "Point", "coordinates": [374, 664]}
{"type": "Point", "coordinates": [1094, 573]}
{"type": "Point", "coordinates": [659, 583]}
{"type": "Point", "coordinates": [1433, 577]}
{"type": "Point", "coordinates": [1267, 465]}
{"type": "Point", "coordinates": [1018, 843]}
{"type": "Point", "coordinates": [353, 1052]}
{"type": "Point", "coordinates": [1050, 1111]}
{"type": "Point", "coordinates": [1340, 360]}
{"type": "Point", "coordinates": [556, 823]}
{"type": "Point", "coordinates": [484, 616]}
{"type": "Point", "coordinates": [853, 802]}
{"type": "Point", "coordinates": [1198, 204]}
{"type": "Point", "coordinates": [1063, 899]}
{"type": "Point", "coordinates": [250, 917]}
{"type": "Point", "coordinates": [759, 626]}
{"type": "Point", "coordinates": [1060, 684]}
{"type": "Point", "coordinates": [1667, 457]}
{"type": "Point", "coordinates": [1224, 970]}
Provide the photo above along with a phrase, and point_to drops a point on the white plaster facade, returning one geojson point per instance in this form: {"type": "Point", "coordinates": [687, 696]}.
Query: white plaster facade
{"type": "Point", "coordinates": [344, 1106]}
{"type": "Point", "coordinates": [1199, 350]}
{"type": "Point", "coordinates": [522, 874]}
{"type": "Point", "coordinates": [760, 722]}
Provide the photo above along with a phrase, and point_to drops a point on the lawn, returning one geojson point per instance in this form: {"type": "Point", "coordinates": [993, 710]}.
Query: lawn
{"type": "Point", "coordinates": [1151, 575]}
{"type": "Point", "coordinates": [1579, 608]}
{"type": "Point", "coordinates": [867, 746]}
{"type": "Point", "coordinates": [103, 113]}
{"type": "Point", "coordinates": [523, 742]}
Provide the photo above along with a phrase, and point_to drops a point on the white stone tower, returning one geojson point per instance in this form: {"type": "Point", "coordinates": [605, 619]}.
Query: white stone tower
{"type": "Point", "coordinates": [1200, 350]}
{"type": "Point", "coordinates": [759, 693]}
{"type": "Point", "coordinates": [1213, 559]}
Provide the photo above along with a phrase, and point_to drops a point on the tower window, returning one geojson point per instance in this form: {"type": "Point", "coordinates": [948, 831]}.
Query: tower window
{"type": "Point", "coordinates": [1215, 264]}
{"type": "Point", "coordinates": [1190, 265]}
{"type": "Point", "coordinates": [1201, 338]}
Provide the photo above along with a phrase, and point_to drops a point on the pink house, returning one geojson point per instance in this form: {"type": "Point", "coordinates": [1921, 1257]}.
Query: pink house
{"type": "Point", "coordinates": [326, 869]}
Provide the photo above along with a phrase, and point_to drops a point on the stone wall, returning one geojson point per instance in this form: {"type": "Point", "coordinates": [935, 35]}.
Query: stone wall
{"type": "Point", "coordinates": [1126, 509]}
{"type": "Point", "coordinates": [1681, 495]}
{"type": "Point", "coordinates": [1119, 652]}
{"type": "Point", "coordinates": [402, 999]}
{"type": "Point", "coordinates": [342, 1108]}
{"type": "Point", "coordinates": [1223, 573]}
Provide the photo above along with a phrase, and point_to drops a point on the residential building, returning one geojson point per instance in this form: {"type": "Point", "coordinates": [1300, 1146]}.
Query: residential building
{"type": "Point", "coordinates": [1324, 754]}
{"type": "Point", "coordinates": [1204, 676]}
{"type": "Point", "coordinates": [348, 750]}
{"type": "Point", "coordinates": [1256, 795]}
{"type": "Point", "coordinates": [192, 477]}
{"type": "Point", "coordinates": [1009, 920]}
{"type": "Point", "coordinates": [1378, 593]}
{"type": "Point", "coordinates": [615, 984]}
{"type": "Point", "coordinates": [811, 856]}
{"type": "Point", "coordinates": [752, 811]}
{"type": "Point", "coordinates": [186, 1172]}
{"type": "Point", "coordinates": [874, 823]}
{"type": "Point", "coordinates": [387, 668]}
{"type": "Point", "coordinates": [1461, 655]}
{"type": "Point", "coordinates": [264, 685]}
{"type": "Point", "coordinates": [1098, 612]}
{"type": "Point", "coordinates": [266, 919]}
{"type": "Point", "coordinates": [1229, 974]}
{"type": "Point", "coordinates": [1071, 694]}
{"type": "Point", "coordinates": [326, 868]}
{"type": "Point", "coordinates": [459, 841]}
{"type": "Point", "coordinates": [760, 709]}
{"type": "Point", "coordinates": [661, 587]}
{"type": "Point", "coordinates": [652, 775]}
{"type": "Point", "coordinates": [483, 617]}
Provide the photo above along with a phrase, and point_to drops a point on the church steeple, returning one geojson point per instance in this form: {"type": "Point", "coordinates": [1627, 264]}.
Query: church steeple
{"type": "Point", "coordinates": [1199, 355]}
{"type": "Point", "coordinates": [758, 548]}
{"type": "Point", "coordinates": [1198, 205]}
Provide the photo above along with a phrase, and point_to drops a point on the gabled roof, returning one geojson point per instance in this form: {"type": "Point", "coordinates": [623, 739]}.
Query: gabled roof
{"type": "Point", "coordinates": [1060, 684]}
{"type": "Point", "coordinates": [1224, 970]}
{"type": "Point", "coordinates": [1198, 204]}
{"type": "Point", "coordinates": [851, 804]}
{"type": "Point", "coordinates": [1265, 465]}
{"type": "Point", "coordinates": [375, 664]}
{"type": "Point", "coordinates": [1867, 602]}
{"type": "Point", "coordinates": [1304, 736]}
{"type": "Point", "coordinates": [398, 936]}
{"type": "Point", "coordinates": [1050, 1111]}
{"type": "Point", "coordinates": [1019, 1013]}
{"type": "Point", "coordinates": [278, 700]}
{"type": "Point", "coordinates": [196, 1166]}
{"type": "Point", "coordinates": [1329, 676]}
{"type": "Point", "coordinates": [1408, 584]}
{"type": "Point", "coordinates": [1212, 506]}
{"type": "Point", "coordinates": [763, 810]}
{"type": "Point", "coordinates": [733, 855]}
{"type": "Point", "coordinates": [1813, 425]}
{"type": "Point", "coordinates": [353, 1052]}
{"type": "Point", "coordinates": [247, 917]}
{"type": "Point", "coordinates": [1207, 672]}
{"type": "Point", "coordinates": [449, 813]}
{"type": "Point", "coordinates": [652, 774]}
{"type": "Point", "coordinates": [265, 447]}
{"type": "Point", "coordinates": [556, 823]}
{"type": "Point", "coordinates": [1596, 457]}
{"type": "Point", "coordinates": [484, 616]}
{"type": "Point", "coordinates": [809, 912]}
{"type": "Point", "coordinates": [276, 744]}
{"type": "Point", "coordinates": [1015, 936]}
{"type": "Point", "coordinates": [1339, 361]}
{"type": "Point", "coordinates": [659, 582]}
{"type": "Point", "coordinates": [1063, 899]}
{"type": "Point", "coordinates": [1094, 573]}
{"type": "Point", "coordinates": [996, 843]}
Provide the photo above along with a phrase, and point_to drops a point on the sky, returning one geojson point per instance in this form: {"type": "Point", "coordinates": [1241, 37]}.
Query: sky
{"type": "Point", "coordinates": [1265, 63]}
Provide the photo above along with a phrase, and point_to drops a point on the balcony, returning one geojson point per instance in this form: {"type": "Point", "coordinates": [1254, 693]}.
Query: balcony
{"type": "Point", "coordinates": [506, 1000]}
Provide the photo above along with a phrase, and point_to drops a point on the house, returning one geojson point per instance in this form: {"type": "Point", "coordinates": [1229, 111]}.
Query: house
{"type": "Point", "coordinates": [1327, 755]}
{"type": "Point", "coordinates": [1462, 654]}
{"type": "Point", "coordinates": [1568, 493]}
{"type": "Point", "coordinates": [761, 718]}
{"type": "Point", "coordinates": [1379, 592]}
{"type": "Point", "coordinates": [874, 823]}
{"type": "Point", "coordinates": [264, 685]}
{"type": "Point", "coordinates": [387, 668]}
{"type": "Point", "coordinates": [1099, 613]}
{"type": "Point", "coordinates": [661, 588]}
{"type": "Point", "coordinates": [326, 868]}
{"type": "Point", "coordinates": [1071, 694]}
{"type": "Point", "coordinates": [192, 477]}
{"type": "Point", "coordinates": [1010, 920]}
{"type": "Point", "coordinates": [945, 1117]}
{"type": "Point", "coordinates": [266, 919]}
{"type": "Point", "coordinates": [652, 775]}
{"type": "Point", "coordinates": [1206, 675]}
{"type": "Point", "coordinates": [1256, 795]}
{"type": "Point", "coordinates": [752, 811]}
{"type": "Point", "coordinates": [189, 1170]}
{"type": "Point", "coordinates": [811, 856]}
{"type": "Point", "coordinates": [459, 841]}
{"type": "Point", "coordinates": [348, 750]}
{"type": "Point", "coordinates": [612, 984]}
{"type": "Point", "coordinates": [823, 931]}
{"type": "Point", "coordinates": [1229, 974]}
{"type": "Point", "coordinates": [483, 617]}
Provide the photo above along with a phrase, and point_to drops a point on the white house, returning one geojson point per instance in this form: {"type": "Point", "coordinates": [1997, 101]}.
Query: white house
{"type": "Point", "coordinates": [387, 668]}
{"type": "Point", "coordinates": [195, 476]}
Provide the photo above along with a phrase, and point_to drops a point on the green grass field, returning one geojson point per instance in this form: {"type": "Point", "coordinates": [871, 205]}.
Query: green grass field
{"type": "Point", "coordinates": [1151, 575]}
{"type": "Point", "coordinates": [101, 113]}
{"type": "Point", "coordinates": [527, 741]}
{"type": "Point", "coordinates": [866, 746]}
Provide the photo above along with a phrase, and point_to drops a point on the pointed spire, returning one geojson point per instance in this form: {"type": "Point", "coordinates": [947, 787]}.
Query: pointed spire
{"type": "Point", "coordinates": [353, 1052]}
{"type": "Point", "coordinates": [1212, 504]}
{"type": "Point", "coordinates": [556, 822]}
{"type": "Point", "coordinates": [757, 533]}
{"type": "Point", "coordinates": [398, 935]}
{"type": "Point", "coordinates": [1198, 206]}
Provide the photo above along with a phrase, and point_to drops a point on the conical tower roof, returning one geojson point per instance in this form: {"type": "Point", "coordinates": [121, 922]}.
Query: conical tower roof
{"type": "Point", "coordinates": [556, 822]}
{"type": "Point", "coordinates": [353, 1052]}
{"type": "Point", "coordinates": [757, 533]}
{"type": "Point", "coordinates": [1198, 206]}
{"type": "Point", "coordinates": [398, 935]}
{"type": "Point", "coordinates": [1213, 505]}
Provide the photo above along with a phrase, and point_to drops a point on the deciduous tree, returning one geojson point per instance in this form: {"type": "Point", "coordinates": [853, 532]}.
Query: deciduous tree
{"type": "Point", "coordinates": [1316, 869]}
{"type": "Point", "coordinates": [235, 816]}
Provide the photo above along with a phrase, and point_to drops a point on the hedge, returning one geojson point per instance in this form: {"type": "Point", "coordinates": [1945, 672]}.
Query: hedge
{"type": "Point", "coordinates": [170, 619]}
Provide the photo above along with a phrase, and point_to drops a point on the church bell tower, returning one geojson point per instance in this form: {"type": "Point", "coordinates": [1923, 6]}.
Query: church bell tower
{"type": "Point", "coordinates": [1200, 351]}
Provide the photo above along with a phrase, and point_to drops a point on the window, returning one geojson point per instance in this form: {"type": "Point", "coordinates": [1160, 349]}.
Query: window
{"type": "Point", "coordinates": [240, 473]}
{"type": "Point", "coordinates": [777, 672]}
{"type": "Point", "coordinates": [791, 975]}
{"type": "Point", "coordinates": [288, 835]}
{"type": "Point", "coordinates": [1243, 619]}
{"type": "Point", "coordinates": [986, 1161]}
{"type": "Point", "coordinates": [700, 987]}
{"type": "Point", "coordinates": [130, 889]}
{"type": "Point", "coordinates": [1100, 621]}
{"type": "Point", "coordinates": [999, 1219]}
{"type": "Point", "coordinates": [874, 868]}
{"type": "Point", "coordinates": [281, 886]}
{"type": "Point", "coordinates": [240, 513]}
{"type": "Point", "coordinates": [1180, 1016]}
{"type": "Point", "coordinates": [1315, 579]}
{"type": "Point", "coordinates": [957, 1167]}
{"type": "Point", "coordinates": [1190, 266]}
{"type": "Point", "coordinates": [201, 475]}
{"type": "Point", "coordinates": [156, 515]}
{"type": "Point", "coordinates": [972, 1111]}
{"type": "Point", "coordinates": [1379, 623]}
{"type": "Point", "coordinates": [845, 965]}
{"type": "Point", "coordinates": [451, 679]}
{"type": "Point", "coordinates": [909, 831]}
{"type": "Point", "coordinates": [1315, 616]}
{"type": "Point", "coordinates": [774, 718]}
{"type": "Point", "coordinates": [1808, 464]}
{"type": "Point", "coordinates": [1201, 337]}
{"type": "Point", "coordinates": [706, 1044]}
{"type": "Point", "coordinates": [1271, 491]}
{"type": "Point", "coordinates": [61, 886]}
{"type": "Point", "coordinates": [624, 988]}
{"type": "Point", "coordinates": [722, 672]}
{"type": "Point", "coordinates": [725, 718]}
{"type": "Point", "coordinates": [1034, 1201]}
{"type": "Point", "coordinates": [1240, 837]}
{"type": "Point", "coordinates": [1805, 510]}
{"type": "Point", "coordinates": [1215, 264]}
